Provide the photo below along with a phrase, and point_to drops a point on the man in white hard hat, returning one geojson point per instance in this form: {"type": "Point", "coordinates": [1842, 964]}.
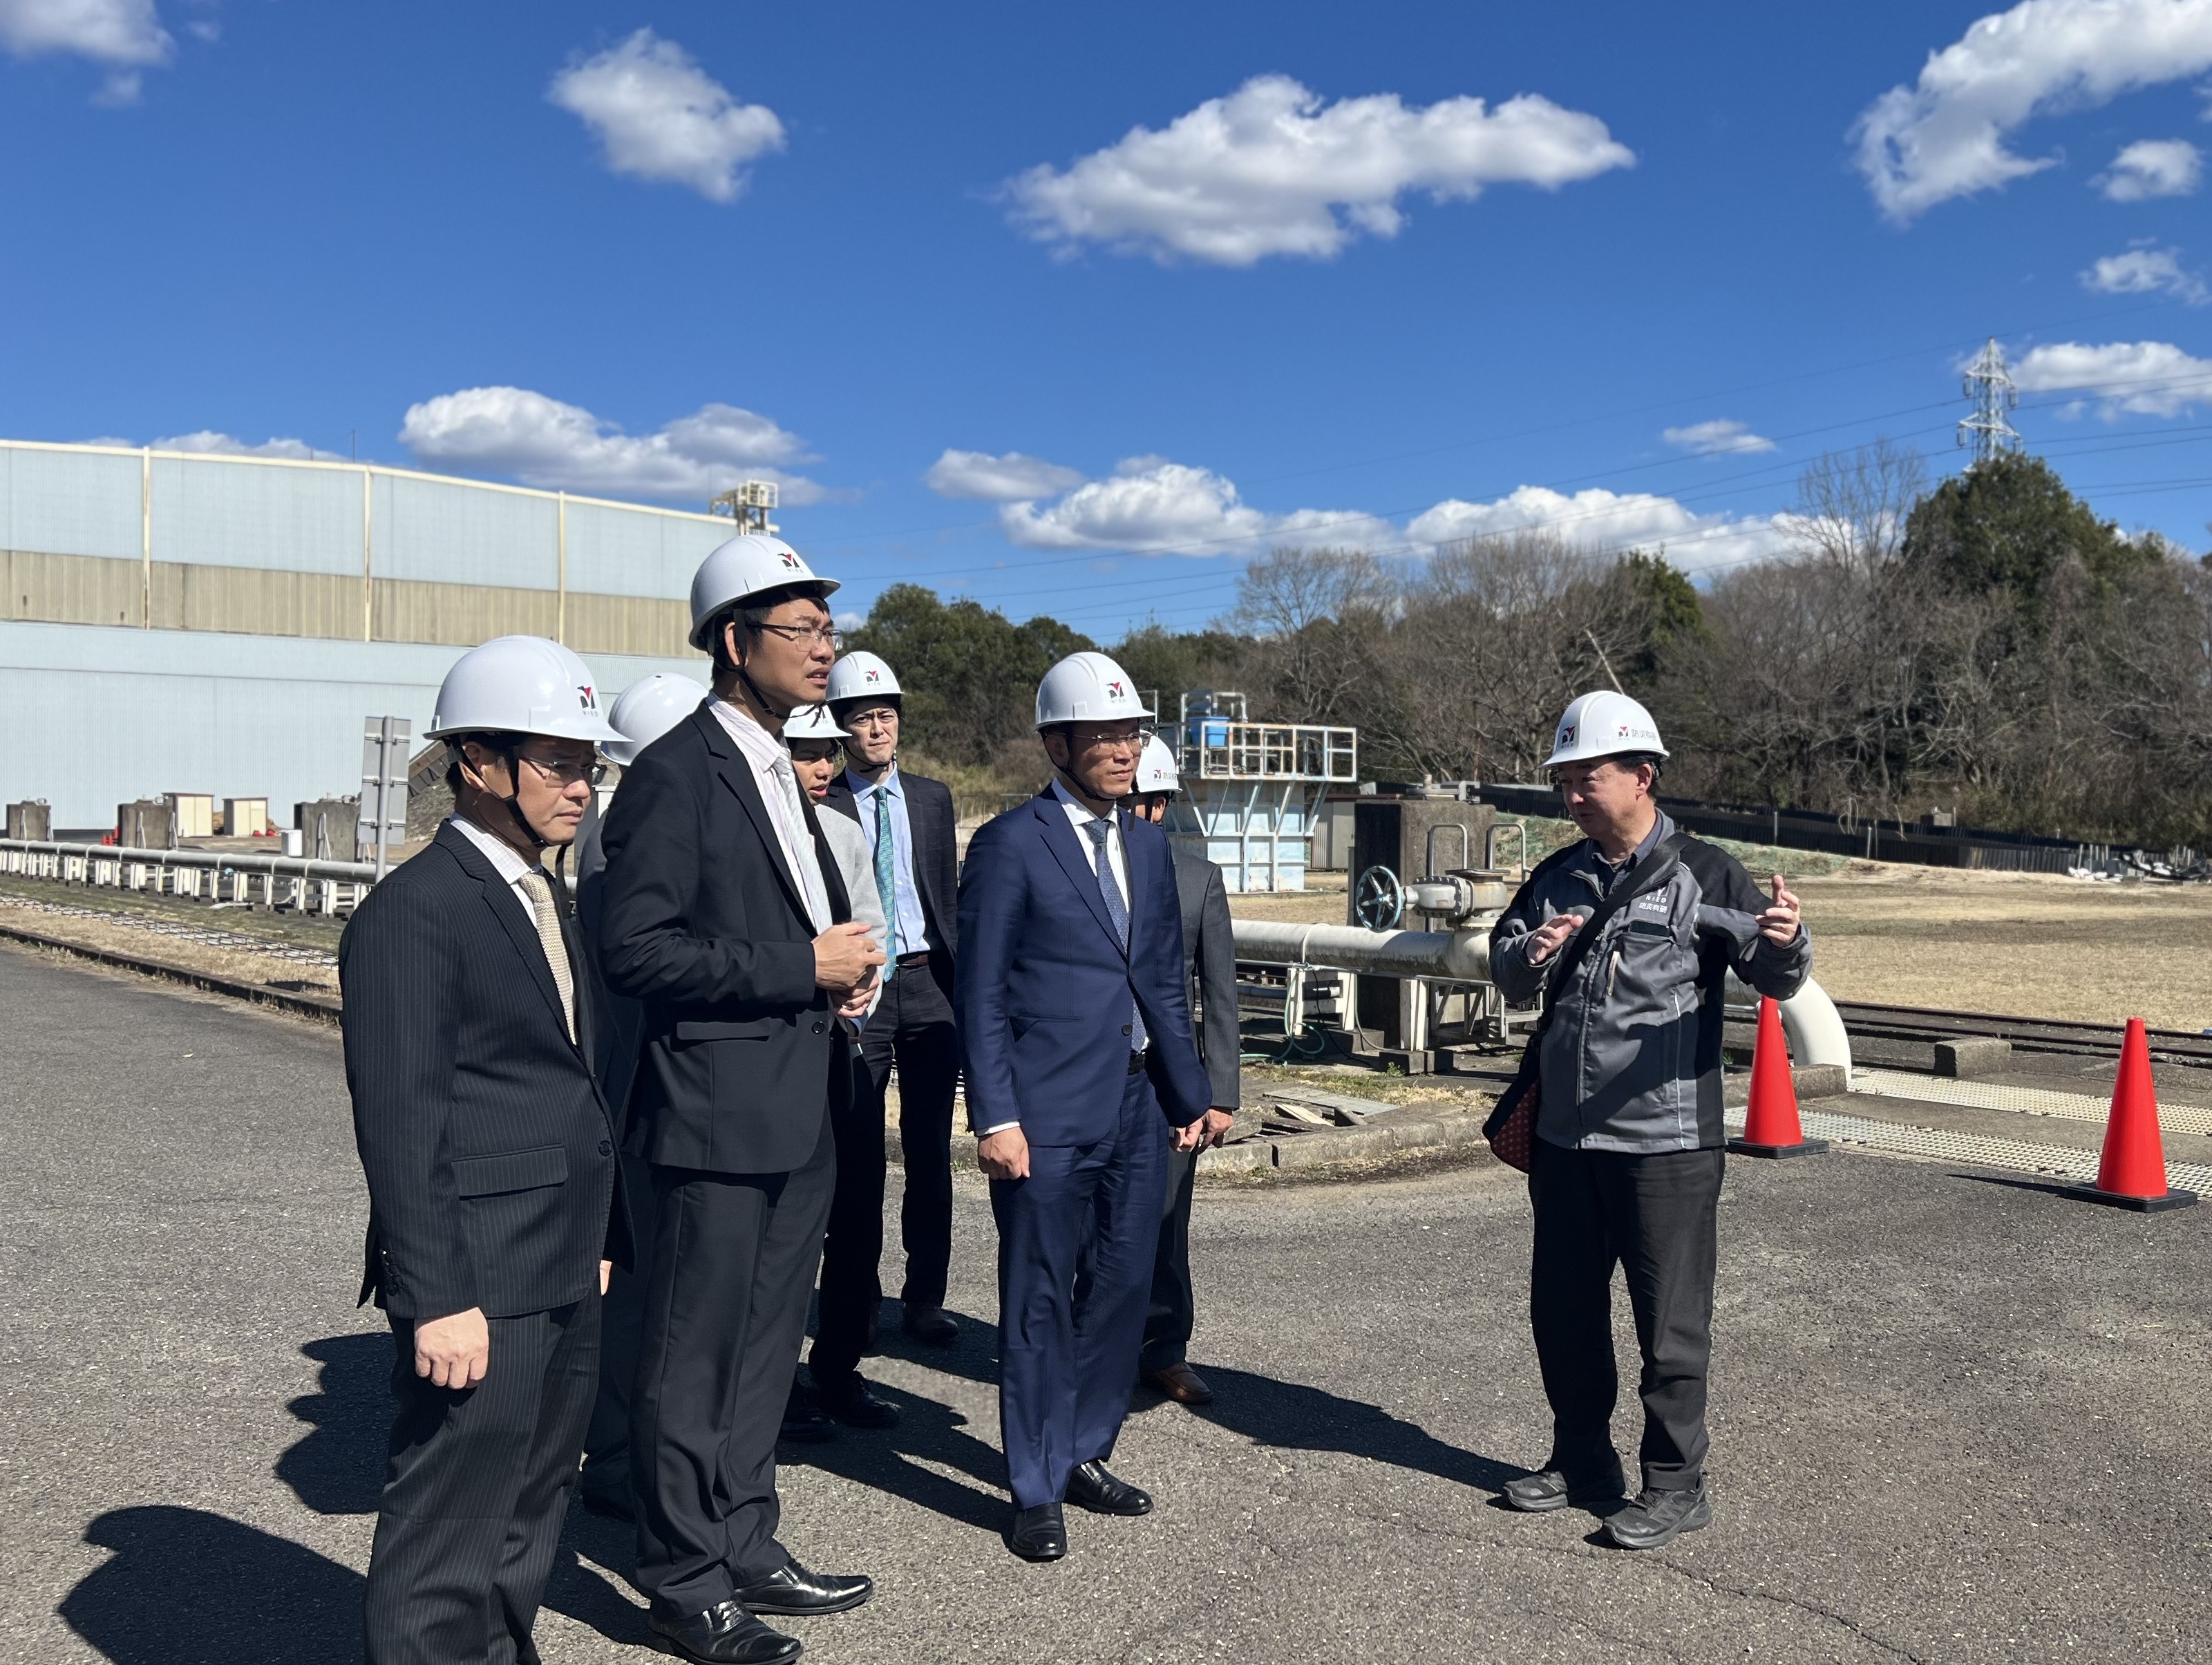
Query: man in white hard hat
{"type": "Point", "coordinates": [1075, 1036]}
{"type": "Point", "coordinates": [640, 714]}
{"type": "Point", "coordinates": [909, 821]}
{"type": "Point", "coordinates": [853, 1241]}
{"type": "Point", "coordinates": [1629, 936]}
{"type": "Point", "coordinates": [493, 1196]}
{"type": "Point", "coordinates": [1209, 970]}
{"type": "Point", "coordinates": [726, 916]}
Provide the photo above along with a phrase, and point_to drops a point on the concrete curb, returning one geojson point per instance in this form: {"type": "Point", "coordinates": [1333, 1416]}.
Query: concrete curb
{"type": "Point", "coordinates": [318, 1006]}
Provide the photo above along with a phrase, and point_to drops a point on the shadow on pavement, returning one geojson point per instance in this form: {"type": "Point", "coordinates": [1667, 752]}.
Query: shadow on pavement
{"type": "Point", "coordinates": [337, 1467]}
{"type": "Point", "coordinates": [933, 1432]}
{"type": "Point", "coordinates": [185, 1584]}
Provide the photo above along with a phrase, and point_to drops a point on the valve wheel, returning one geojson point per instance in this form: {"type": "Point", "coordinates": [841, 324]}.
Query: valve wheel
{"type": "Point", "coordinates": [1379, 899]}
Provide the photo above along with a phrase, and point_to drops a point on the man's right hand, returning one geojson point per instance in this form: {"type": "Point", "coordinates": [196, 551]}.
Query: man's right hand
{"type": "Point", "coordinates": [1003, 1155]}
{"type": "Point", "coordinates": [1546, 939]}
{"type": "Point", "coordinates": [844, 955]}
{"type": "Point", "coordinates": [455, 1351]}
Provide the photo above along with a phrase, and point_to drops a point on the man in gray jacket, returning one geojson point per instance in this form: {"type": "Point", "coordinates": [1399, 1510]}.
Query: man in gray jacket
{"type": "Point", "coordinates": [1628, 1149]}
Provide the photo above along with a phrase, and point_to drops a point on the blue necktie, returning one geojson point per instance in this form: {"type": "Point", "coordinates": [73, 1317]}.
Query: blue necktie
{"type": "Point", "coordinates": [1118, 914]}
{"type": "Point", "coordinates": [887, 880]}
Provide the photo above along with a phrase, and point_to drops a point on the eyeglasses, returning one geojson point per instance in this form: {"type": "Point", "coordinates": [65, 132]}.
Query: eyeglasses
{"type": "Point", "coordinates": [814, 636]}
{"type": "Point", "coordinates": [566, 775]}
{"type": "Point", "coordinates": [1113, 739]}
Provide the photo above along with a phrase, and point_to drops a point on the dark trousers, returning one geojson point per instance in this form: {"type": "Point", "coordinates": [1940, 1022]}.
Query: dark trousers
{"type": "Point", "coordinates": [912, 1026]}
{"type": "Point", "coordinates": [733, 1260]}
{"type": "Point", "coordinates": [1172, 1312]}
{"type": "Point", "coordinates": [621, 1320]}
{"type": "Point", "coordinates": [1075, 1243]}
{"type": "Point", "coordinates": [1656, 1217]}
{"type": "Point", "coordinates": [853, 1244]}
{"type": "Point", "coordinates": [476, 1486]}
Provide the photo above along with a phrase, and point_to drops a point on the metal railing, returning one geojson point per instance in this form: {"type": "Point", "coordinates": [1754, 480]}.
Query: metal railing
{"type": "Point", "coordinates": [304, 882]}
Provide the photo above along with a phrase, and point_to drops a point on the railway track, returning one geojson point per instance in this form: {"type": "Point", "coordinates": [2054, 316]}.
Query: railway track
{"type": "Point", "coordinates": [2046, 1034]}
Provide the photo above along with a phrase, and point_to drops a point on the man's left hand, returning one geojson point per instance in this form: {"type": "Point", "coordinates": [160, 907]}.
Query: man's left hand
{"type": "Point", "coordinates": [1779, 924]}
{"type": "Point", "coordinates": [606, 1272]}
{"type": "Point", "coordinates": [1208, 1130]}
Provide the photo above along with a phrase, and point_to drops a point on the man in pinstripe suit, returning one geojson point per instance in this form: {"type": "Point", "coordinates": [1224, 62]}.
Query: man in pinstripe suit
{"type": "Point", "coordinates": [494, 1200]}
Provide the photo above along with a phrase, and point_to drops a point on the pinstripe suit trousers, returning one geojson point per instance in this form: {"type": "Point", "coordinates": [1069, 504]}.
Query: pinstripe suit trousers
{"type": "Point", "coordinates": [476, 1487]}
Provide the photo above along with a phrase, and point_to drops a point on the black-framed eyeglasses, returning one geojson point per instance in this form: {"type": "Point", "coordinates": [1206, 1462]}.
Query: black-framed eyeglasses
{"type": "Point", "coordinates": [566, 773]}
{"type": "Point", "coordinates": [815, 635]}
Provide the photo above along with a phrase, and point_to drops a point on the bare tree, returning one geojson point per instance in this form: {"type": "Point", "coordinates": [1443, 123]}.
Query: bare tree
{"type": "Point", "coordinates": [1852, 505]}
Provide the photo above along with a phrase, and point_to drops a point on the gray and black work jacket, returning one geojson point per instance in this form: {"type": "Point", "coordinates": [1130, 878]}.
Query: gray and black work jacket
{"type": "Point", "coordinates": [1632, 1058]}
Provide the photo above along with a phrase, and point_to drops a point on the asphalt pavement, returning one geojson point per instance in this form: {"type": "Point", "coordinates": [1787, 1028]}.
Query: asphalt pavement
{"type": "Point", "coordinates": [1956, 1417]}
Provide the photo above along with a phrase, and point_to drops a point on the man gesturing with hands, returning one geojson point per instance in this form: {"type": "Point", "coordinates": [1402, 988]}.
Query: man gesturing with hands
{"type": "Point", "coordinates": [1626, 1157]}
{"type": "Point", "coordinates": [725, 917]}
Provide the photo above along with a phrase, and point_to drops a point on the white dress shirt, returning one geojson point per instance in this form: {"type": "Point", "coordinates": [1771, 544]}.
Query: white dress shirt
{"type": "Point", "coordinates": [504, 862]}
{"type": "Point", "coordinates": [779, 790]}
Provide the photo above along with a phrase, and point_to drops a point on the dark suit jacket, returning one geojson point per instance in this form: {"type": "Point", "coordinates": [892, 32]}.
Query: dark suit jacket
{"type": "Point", "coordinates": [1209, 967]}
{"type": "Point", "coordinates": [930, 821]}
{"type": "Point", "coordinates": [703, 923]}
{"type": "Point", "coordinates": [1044, 987]}
{"type": "Point", "coordinates": [488, 1147]}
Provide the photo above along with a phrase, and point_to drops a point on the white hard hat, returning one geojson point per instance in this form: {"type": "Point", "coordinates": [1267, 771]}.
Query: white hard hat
{"type": "Point", "coordinates": [745, 565]}
{"type": "Point", "coordinates": [1156, 769]}
{"type": "Point", "coordinates": [1084, 687]}
{"type": "Point", "coordinates": [861, 676]}
{"type": "Point", "coordinates": [1603, 725]}
{"type": "Point", "coordinates": [647, 709]}
{"type": "Point", "coordinates": [812, 722]}
{"type": "Point", "coordinates": [520, 686]}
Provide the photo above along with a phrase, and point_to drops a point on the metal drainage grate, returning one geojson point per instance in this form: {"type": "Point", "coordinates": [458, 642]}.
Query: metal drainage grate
{"type": "Point", "coordinates": [1982, 1151]}
{"type": "Point", "coordinates": [2025, 1101]}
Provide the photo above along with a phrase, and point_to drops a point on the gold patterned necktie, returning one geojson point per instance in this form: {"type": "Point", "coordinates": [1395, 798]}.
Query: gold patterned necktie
{"type": "Point", "coordinates": [549, 938]}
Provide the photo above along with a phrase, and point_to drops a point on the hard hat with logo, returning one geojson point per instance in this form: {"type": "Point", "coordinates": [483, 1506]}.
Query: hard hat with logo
{"type": "Point", "coordinates": [861, 676]}
{"type": "Point", "coordinates": [647, 709]}
{"type": "Point", "coordinates": [812, 722]}
{"type": "Point", "coordinates": [1604, 725]}
{"type": "Point", "coordinates": [520, 686]}
{"type": "Point", "coordinates": [1087, 687]}
{"type": "Point", "coordinates": [1156, 769]}
{"type": "Point", "coordinates": [747, 565]}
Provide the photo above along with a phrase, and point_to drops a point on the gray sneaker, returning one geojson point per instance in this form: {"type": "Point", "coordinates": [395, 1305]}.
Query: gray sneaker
{"type": "Point", "coordinates": [1657, 1518]}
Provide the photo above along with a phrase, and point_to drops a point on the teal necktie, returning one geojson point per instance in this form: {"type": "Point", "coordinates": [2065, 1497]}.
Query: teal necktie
{"type": "Point", "coordinates": [887, 879]}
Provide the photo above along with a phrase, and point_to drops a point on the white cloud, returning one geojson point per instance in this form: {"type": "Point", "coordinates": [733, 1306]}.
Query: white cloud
{"type": "Point", "coordinates": [223, 444]}
{"type": "Point", "coordinates": [544, 442]}
{"type": "Point", "coordinates": [1151, 506]}
{"type": "Point", "coordinates": [1598, 519]}
{"type": "Point", "coordinates": [2152, 167]}
{"type": "Point", "coordinates": [1270, 169]}
{"type": "Point", "coordinates": [1944, 136]}
{"type": "Point", "coordinates": [2146, 271]}
{"type": "Point", "coordinates": [660, 116]}
{"type": "Point", "coordinates": [2150, 378]}
{"type": "Point", "coordinates": [979, 477]}
{"type": "Point", "coordinates": [1718, 438]}
{"type": "Point", "coordinates": [126, 35]}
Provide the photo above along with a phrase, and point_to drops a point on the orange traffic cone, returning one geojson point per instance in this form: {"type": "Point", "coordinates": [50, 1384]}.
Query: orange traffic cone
{"type": "Point", "coordinates": [1773, 1128]}
{"type": "Point", "coordinates": [2131, 1174]}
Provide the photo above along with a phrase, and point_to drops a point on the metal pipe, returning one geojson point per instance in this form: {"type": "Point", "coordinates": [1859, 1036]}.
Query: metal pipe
{"type": "Point", "coordinates": [1449, 956]}
{"type": "Point", "coordinates": [1810, 1023]}
{"type": "Point", "coordinates": [238, 860]}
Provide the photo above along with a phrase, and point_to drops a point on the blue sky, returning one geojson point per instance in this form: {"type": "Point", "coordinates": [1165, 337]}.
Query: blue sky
{"type": "Point", "coordinates": [1072, 309]}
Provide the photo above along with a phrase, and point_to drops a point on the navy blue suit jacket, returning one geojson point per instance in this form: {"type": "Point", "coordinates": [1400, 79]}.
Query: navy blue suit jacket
{"type": "Point", "coordinates": [1041, 988]}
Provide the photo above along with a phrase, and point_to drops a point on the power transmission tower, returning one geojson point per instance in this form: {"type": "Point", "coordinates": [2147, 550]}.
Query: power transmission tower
{"type": "Point", "coordinates": [1989, 385]}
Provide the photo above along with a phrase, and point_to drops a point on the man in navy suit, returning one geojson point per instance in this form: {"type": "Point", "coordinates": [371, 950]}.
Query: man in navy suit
{"type": "Point", "coordinates": [1075, 1036]}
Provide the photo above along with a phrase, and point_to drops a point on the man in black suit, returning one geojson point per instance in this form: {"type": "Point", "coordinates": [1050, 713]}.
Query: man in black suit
{"type": "Point", "coordinates": [725, 915]}
{"type": "Point", "coordinates": [907, 821]}
{"type": "Point", "coordinates": [493, 1191]}
{"type": "Point", "coordinates": [1209, 966]}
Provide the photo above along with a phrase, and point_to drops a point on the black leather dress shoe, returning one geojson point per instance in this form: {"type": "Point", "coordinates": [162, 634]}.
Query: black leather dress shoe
{"type": "Point", "coordinates": [612, 1503]}
{"type": "Point", "coordinates": [931, 1326]}
{"type": "Point", "coordinates": [1039, 1534]}
{"type": "Point", "coordinates": [725, 1634]}
{"type": "Point", "coordinates": [848, 1400]}
{"type": "Point", "coordinates": [804, 1421]}
{"type": "Point", "coordinates": [791, 1589]}
{"type": "Point", "coordinates": [1659, 1517]}
{"type": "Point", "coordinates": [1093, 1487]}
{"type": "Point", "coordinates": [1556, 1488]}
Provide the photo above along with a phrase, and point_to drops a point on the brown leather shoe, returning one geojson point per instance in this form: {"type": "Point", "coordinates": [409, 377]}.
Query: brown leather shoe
{"type": "Point", "coordinates": [1181, 1383]}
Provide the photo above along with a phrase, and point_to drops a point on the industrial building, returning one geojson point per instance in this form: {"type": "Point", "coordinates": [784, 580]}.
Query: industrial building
{"type": "Point", "coordinates": [176, 621]}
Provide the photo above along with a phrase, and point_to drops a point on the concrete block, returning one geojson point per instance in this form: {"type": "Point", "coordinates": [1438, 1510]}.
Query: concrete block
{"type": "Point", "coordinates": [1318, 1149]}
{"type": "Point", "coordinates": [31, 819]}
{"type": "Point", "coordinates": [1252, 1154]}
{"type": "Point", "coordinates": [1972, 1055]}
{"type": "Point", "coordinates": [1817, 1080]}
{"type": "Point", "coordinates": [1407, 1062]}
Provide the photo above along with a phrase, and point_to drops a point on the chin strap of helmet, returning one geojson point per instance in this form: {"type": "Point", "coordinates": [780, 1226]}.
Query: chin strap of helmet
{"type": "Point", "coordinates": [539, 841]}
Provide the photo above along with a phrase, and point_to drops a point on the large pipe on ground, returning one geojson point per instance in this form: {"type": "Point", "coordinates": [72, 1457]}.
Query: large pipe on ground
{"type": "Point", "coordinates": [1809, 1019]}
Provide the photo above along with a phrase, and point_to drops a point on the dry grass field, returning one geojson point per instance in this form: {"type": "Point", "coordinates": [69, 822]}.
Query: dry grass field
{"type": "Point", "coordinates": [2019, 944]}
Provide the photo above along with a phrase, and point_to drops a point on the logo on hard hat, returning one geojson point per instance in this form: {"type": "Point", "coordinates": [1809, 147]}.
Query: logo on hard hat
{"type": "Point", "coordinates": [1114, 690]}
{"type": "Point", "coordinates": [873, 676]}
{"type": "Point", "coordinates": [1623, 730]}
{"type": "Point", "coordinates": [1566, 734]}
{"type": "Point", "coordinates": [584, 696]}
{"type": "Point", "coordinates": [788, 559]}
